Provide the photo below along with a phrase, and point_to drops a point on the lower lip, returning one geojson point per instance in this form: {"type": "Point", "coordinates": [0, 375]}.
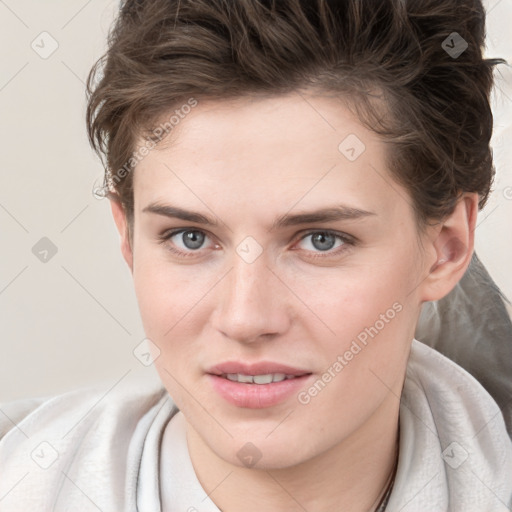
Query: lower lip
{"type": "Point", "coordinates": [257, 396]}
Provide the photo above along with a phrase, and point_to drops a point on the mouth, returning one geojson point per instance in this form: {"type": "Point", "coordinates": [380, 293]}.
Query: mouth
{"type": "Point", "coordinates": [266, 378]}
{"type": "Point", "coordinates": [257, 386]}
{"type": "Point", "coordinates": [230, 369]}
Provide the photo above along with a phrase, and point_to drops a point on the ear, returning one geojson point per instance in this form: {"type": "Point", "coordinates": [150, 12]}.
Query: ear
{"type": "Point", "coordinates": [453, 246]}
{"type": "Point", "coordinates": [122, 226]}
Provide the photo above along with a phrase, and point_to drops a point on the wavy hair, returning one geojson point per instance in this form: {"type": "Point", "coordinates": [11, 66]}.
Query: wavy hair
{"type": "Point", "coordinates": [411, 70]}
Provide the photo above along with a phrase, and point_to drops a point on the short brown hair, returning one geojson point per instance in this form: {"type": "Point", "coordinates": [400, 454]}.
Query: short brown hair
{"type": "Point", "coordinates": [438, 121]}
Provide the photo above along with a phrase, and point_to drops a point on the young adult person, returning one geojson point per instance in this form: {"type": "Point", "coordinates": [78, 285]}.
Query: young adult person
{"type": "Point", "coordinates": [292, 181]}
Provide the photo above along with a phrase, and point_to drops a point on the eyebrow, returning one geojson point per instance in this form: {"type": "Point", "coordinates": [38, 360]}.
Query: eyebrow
{"type": "Point", "coordinates": [339, 212]}
{"type": "Point", "coordinates": [179, 213]}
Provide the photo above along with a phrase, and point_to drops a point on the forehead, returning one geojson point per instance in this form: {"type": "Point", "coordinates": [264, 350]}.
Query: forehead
{"type": "Point", "coordinates": [268, 151]}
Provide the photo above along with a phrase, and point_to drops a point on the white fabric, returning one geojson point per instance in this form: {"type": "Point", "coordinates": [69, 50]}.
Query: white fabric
{"type": "Point", "coordinates": [180, 487]}
{"type": "Point", "coordinates": [109, 448]}
{"type": "Point", "coordinates": [443, 404]}
{"type": "Point", "coordinates": [472, 326]}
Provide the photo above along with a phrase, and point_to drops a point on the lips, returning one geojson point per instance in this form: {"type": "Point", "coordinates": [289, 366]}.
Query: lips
{"type": "Point", "coordinates": [261, 368]}
{"type": "Point", "coordinates": [256, 386]}
{"type": "Point", "coordinates": [267, 378]}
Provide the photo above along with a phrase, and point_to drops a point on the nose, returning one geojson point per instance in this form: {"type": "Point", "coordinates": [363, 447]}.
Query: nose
{"type": "Point", "coordinates": [252, 303]}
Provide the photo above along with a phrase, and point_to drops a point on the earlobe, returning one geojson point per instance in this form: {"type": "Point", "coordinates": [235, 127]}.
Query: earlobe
{"type": "Point", "coordinates": [453, 246]}
{"type": "Point", "coordinates": [122, 227]}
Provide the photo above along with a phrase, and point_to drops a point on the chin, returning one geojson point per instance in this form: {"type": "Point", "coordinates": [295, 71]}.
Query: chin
{"type": "Point", "coordinates": [257, 451]}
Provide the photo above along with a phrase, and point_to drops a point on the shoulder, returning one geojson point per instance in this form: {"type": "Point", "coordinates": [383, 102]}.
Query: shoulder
{"type": "Point", "coordinates": [450, 389]}
{"type": "Point", "coordinates": [11, 413]}
{"type": "Point", "coordinates": [76, 444]}
{"type": "Point", "coordinates": [455, 452]}
{"type": "Point", "coordinates": [458, 404]}
{"type": "Point", "coordinates": [79, 408]}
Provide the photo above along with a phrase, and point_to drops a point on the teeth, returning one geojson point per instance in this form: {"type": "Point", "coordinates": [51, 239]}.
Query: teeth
{"type": "Point", "coordinates": [257, 379]}
{"type": "Point", "coordinates": [262, 379]}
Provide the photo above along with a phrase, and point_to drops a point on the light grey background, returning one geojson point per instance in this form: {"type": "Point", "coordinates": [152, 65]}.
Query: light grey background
{"type": "Point", "coordinates": [73, 321]}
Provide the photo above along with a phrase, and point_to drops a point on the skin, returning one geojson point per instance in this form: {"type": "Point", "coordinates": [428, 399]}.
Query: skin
{"type": "Point", "coordinates": [245, 163]}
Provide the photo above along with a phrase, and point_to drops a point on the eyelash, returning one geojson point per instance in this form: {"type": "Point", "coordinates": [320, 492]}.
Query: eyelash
{"type": "Point", "coordinates": [348, 241]}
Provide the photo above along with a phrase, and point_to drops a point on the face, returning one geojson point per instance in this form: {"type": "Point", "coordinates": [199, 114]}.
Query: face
{"type": "Point", "coordinates": [269, 242]}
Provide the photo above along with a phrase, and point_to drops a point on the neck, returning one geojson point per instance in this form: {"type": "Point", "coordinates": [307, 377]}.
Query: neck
{"type": "Point", "coordinates": [355, 472]}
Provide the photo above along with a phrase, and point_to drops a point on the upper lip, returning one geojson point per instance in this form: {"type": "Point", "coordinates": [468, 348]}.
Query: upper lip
{"type": "Point", "coordinates": [260, 368]}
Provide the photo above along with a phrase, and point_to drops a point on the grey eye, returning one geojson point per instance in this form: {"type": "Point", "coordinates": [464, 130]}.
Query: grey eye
{"type": "Point", "coordinates": [323, 241]}
{"type": "Point", "coordinates": [191, 239]}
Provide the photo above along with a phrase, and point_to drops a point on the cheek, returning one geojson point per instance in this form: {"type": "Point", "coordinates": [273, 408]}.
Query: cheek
{"type": "Point", "coordinates": [175, 307]}
{"type": "Point", "coordinates": [367, 356]}
{"type": "Point", "coordinates": [170, 309]}
{"type": "Point", "coordinates": [350, 299]}
{"type": "Point", "coordinates": [364, 324]}
{"type": "Point", "coordinates": [168, 295]}
{"type": "Point", "coordinates": [156, 296]}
